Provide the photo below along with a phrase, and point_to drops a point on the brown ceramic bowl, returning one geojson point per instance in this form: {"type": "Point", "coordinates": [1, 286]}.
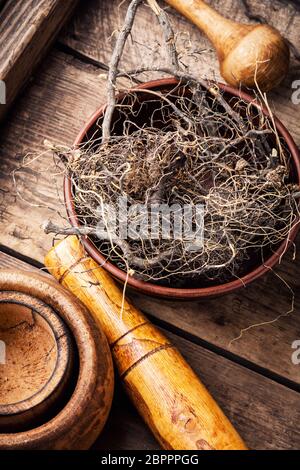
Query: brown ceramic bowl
{"type": "Point", "coordinates": [255, 272]}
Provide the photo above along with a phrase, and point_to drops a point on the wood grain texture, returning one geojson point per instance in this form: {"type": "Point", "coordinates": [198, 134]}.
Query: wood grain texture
{"type": "Point", "coordinates": [265, 413]}
{"type": "Point", "coordinates": [249, 400]}
{"type": "Point", "coordinates": [61, 99]}
{"type": "Point", "coordinates": [221, 321]}
{"type": "Point", "coordinates": [27, 29]}
{"type": "Point", "coordinates": [125, 429]}
{"type": "Point", "coordinates": [71, 92]}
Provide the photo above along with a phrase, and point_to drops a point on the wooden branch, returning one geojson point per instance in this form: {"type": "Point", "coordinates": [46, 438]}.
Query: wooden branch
{"type": "Point", "coordinates": [132, 259]}
{"type": "Point", "coordinates": [187, 77]}
{"type": "Point", "coordinates": [27, 29]}
{"type": "Point", "coordinates": [168, 33]}
{"type": "Point", "coordinates": [113, 67]}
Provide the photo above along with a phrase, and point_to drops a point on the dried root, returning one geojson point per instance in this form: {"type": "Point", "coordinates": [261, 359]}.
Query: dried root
{"type": "Point", "coordinates": [186, 147]}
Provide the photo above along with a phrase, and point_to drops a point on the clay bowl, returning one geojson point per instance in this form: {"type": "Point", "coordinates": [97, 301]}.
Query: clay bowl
{"type": "Point", "coordinates": [56, 373]}
{"type": "Point", "coordinates": [253, 271]}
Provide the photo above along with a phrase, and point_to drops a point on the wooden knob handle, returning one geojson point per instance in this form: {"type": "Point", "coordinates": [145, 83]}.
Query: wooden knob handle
{"type": "Point", "coordinates": [250, 55]}
{"type": "Point", "coordinates": [177, 407]}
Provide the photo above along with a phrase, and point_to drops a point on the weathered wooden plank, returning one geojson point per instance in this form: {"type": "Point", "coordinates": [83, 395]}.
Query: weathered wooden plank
{"type": "Point", "coordinates": [91, 34]}
{"type": "Point", "coordinates": [63, 95]}
{"type": "Point", "coordinates": [246, 397]}
{"type": "Point", "coordinates": [55, 107]}
{"type": "Point", "coordinates": [125, 429]}
{"type": "Point", "coordinates": [27, 29]}
{"type": "Point", "coordinates": [265, 413]}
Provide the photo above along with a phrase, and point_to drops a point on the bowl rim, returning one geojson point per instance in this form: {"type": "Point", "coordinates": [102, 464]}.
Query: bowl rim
{"type": "Point", "coordinates": [64, 355]}
{"type": "Point", "coordinates": [173, 292]}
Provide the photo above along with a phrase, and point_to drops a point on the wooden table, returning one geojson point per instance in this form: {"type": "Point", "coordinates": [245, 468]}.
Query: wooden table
{"type": "Point", "coordinates": [253, 378]}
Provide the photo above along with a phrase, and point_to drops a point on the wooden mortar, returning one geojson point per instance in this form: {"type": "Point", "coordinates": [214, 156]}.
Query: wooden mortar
{"type": "Point", "coordinates": [56, 373]}
{"type": "Point", "coordinates": [37, 361]}
{"type": "Point", "coordinates": [169, 396]}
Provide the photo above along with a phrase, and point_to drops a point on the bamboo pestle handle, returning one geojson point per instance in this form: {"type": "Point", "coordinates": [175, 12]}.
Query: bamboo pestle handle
{"type": "Point", "coordinates": [169, 396]}
{"type": "Point", "coordinates": [249, 54]}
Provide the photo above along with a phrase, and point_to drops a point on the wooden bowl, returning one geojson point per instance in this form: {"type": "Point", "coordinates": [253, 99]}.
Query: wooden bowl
{"type": "Point", "coordinates": [149, 288]}
{"type": "Point", "coordinates": [37, 361]}
{"type": "Point", "coordinates": [56, 372]}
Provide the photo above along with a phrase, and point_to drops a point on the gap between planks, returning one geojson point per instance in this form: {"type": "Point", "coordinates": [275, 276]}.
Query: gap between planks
{"type": "Point", "coordinates": [59, 84]}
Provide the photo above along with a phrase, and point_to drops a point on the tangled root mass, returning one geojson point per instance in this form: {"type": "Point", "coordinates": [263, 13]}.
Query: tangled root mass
{"type": "Point", "coordinates": [187, 146]}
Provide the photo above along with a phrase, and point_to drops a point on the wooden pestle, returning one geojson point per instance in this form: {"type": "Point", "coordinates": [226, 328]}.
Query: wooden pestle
{"type": "Point", "coordinates": [169, 396]}
{"type": "Point", "coordinates": [249, 54]}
